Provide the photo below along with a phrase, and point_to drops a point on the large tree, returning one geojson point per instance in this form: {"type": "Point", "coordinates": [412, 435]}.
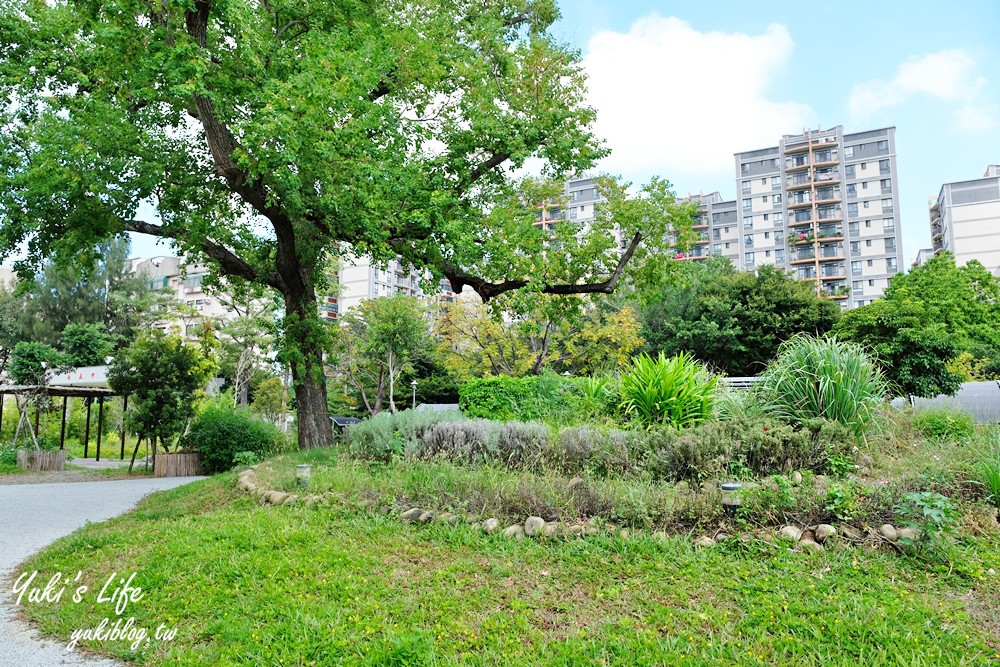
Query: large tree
{"type": "Point", "coordinates": [735, 321]}
{"type": "Point", "coordinates": [267, 135]}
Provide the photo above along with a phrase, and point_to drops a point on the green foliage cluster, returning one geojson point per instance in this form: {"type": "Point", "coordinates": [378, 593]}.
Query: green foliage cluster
{"type": "Point", "coordinates": [733, 321]}
{"type": "Point", "coordinates": [29, 362]}
{"type": "Point", "coordinates": [943, 423]}
{"type": "Point", "coordinates": [227, 436]}
{"type": "Point", "coordinates": [824, 378]}
{"type": "Point", "coordinates": [549, 397]}
{"type": "Point", "coordinates": [677, 392]}
{"type": "Point", "coordinates": [926, 320]}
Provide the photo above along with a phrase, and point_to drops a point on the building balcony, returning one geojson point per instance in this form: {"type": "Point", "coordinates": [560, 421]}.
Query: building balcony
{"type": "Point", "coordinates": [798, 181]}
{"type": "Point", "coordinates": [827, 176]}
{"type": "Point", "coordinates": [797, 148]}
{"type": "Point", "coordinates": [799, 202]}
{"type": "Point", "coordinates": [800, 223]}
{"type": "Point", "coordinates": [825, 158]}
{"type": "Point", "coordinates": [830, 213]}
{"type": "Point", "coordinates": [797, 162]}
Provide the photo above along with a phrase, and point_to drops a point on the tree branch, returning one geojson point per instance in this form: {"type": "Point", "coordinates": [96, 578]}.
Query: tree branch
{"type": "Point", "coordinates": [229, 263]}
{"type": "Point", "coordinates": [488, 290]}
{"type": "Point", "coordinates": [493, 162]}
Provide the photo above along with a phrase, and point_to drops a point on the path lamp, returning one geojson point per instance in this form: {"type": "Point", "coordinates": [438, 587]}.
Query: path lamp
{"type": "Point", "coordinates": [302, 475]}
{"type": "Point", "coordinates": [414, 385]}
{"type": "Point", "coordinates": [731, 497]}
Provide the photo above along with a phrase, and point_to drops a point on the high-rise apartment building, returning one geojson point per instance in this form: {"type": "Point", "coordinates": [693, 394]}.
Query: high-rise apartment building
{"type": "Point", "coordinates": [825, 206]}
{"type": "Point", "coordinates": [965, 220]}
{"type": "Point", "coordinates": [358, 279]}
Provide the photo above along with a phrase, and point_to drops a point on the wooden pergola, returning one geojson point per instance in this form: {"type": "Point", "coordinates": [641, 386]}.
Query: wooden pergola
{"type": "Point", "coordinates": [67, 392]}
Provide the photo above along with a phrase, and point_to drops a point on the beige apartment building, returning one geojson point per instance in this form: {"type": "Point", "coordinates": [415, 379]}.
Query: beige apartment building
{"type": "Point", "coordinates": [965, 220]}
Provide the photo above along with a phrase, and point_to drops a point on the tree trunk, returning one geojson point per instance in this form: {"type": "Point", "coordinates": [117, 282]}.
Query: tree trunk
{"type": "Point", "coordinates": [392, 383]}
{"type": "Point", "coordinates": [304, 341]}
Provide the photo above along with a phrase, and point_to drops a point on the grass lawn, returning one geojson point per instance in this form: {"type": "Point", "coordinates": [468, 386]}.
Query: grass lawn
{"type": "Point", "coordinates": [246, 584]}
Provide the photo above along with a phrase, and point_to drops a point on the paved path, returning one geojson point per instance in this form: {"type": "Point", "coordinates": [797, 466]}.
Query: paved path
{"type": "Point", "coordinates": [34, 515]}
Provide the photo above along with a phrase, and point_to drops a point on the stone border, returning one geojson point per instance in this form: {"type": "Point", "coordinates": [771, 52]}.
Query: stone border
{"type": "Point", "coordinates": [809, 538]}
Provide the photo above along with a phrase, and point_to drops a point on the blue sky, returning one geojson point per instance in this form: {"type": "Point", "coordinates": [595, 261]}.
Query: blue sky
{"type": "Point", "coordinates": [681, 86]}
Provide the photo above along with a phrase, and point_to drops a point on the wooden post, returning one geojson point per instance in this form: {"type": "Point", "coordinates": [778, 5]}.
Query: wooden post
{"type": "Point", "coordinates": [124, 410]}
{"type": "Point", "coordinates": [2, 396]}
{"type": "Point", "coordinates": [86, 432]}
{"type": "Point", "coordinates": [62, 430]}
{"type": "Point", "coordinates": [100, 424]}
{"type": "Point", "coordinates": [37, 410]}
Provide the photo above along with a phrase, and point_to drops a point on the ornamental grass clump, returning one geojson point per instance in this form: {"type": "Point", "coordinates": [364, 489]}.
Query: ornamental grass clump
{"type": "Point", "coordinates": [676, 391]}
{"type": "Point", "coordinates": [824, 378]}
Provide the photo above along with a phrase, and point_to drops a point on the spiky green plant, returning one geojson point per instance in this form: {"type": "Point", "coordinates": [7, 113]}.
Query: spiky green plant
{"type": "Point", "coordinates": [675, 391]}
{"type": "Point", "coordinates": [824, 378]}
{"type": "Point", "coordinates": [988, 467]}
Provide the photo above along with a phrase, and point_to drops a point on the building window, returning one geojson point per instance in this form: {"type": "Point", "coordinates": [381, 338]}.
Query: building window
{"type": "Point", "coordinates": [871, 282]}
{"type": "Point", "coordinates": [746, 187]}
{"type": "Point", "coordinates": [725, 230]}
{"type": "Point", "coordinates": [748, 240]}
{"type": "Point", "coordinates": [765, 217]}
{"type": "Point", "coordinates": [717, 249]}
{"type": "Point", "coordinates": [748, 259]}
{"type": "Point", "coordinates": [849, 151]}
{"type": "Point", "coordinates": [779, 237]}
{"type": "Point", "coordinates": [864, 166]}
{"type": "Point", "coordinates": [763, 181]}
{"type": "Point", "coordinates": [868, 243]}
{"type": "Point", "coordinates": [852, 227]}
{"type": "Point", "coordinates": [748, 222]}
{"type": "Point", "coordinates": [192, 283]}
{"type": "Point", "coordinates": [864, 185]}
{"type": "Point", "coordinates": [859, 303]}
{"type": "Point", "coordinates": [852, 209]}
{"type": "Point", "coordinates": [747, 204]}
{"type": "Point", "coordinates": [883, 145]}
{"type": "Point", "coordinates": [865, 204]}
{"type": "Point", "coordinates": [767, 235]}
{"type": "Point", "coordinates": [868, 224]}
{"type": "Point", "coordinates": [855, 247]}
{"type": "Point", "coordinates": [886, 185]}
{"type": "Point", "coordinates": [858, 286]}
{"type": "Point", "coordinates": [777, 199]}
{"type": "Point", "coordinates": [886, 204]}
{"type": "Point", "coordinates": [779, 255]}
{"type": "Point", "coordinates": [883, 166]}
{"type": "Point", "coordinates": [856, 268]}
{"type": "Point", "coordinates": [767, 253]}
{"type": "Point", "coordinates": [852, 190]}
{"type": "Point", "coordinates": [888, 225]}
{"type": "Point", "coordinates": [765, 198]}
{"type": "Point", "coordinates": [745, 168]}
{"type": "Point", "coordinates": [871, 262]}
{"type": "Point", "coordinates": [779, 218]}
{"type": "Point", "coordinates": [849, 171]}
{"type": "Point", "coordinates": [890, 264]}
{"type": "Point", "coordinates": [890, 245]}
{"type": "Point", "coordinates": [727, 246]}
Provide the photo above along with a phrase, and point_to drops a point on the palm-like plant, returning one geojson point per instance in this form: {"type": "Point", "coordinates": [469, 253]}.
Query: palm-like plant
{"type": "Point", "coordinates": [824, 378]}
{"type": "Point", "coordinates": [675, 391]}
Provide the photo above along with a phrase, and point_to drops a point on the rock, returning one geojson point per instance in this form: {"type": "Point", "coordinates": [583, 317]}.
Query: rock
{"type": "Point", "coordinates": [533, 525]}
{"type": "Point", "coordinates": [553, 529]}
{"type": "Point", "coordinates": [824, 531]}
{"type": "Point", "coordinates": [573, 483]}
{"type": "Point", "coordinates": [809, 545]}
{"type": "Point", "coordinates": [767, 536]}
{"type": "Point", "coordinates": [366, 504]}
{"type": "Point", "coordinates": [384, 510]}
{"type": "Point", "coordinates": [292, 500]}
{"type": "Point", "coordinates": [491, 525]}
{"type": "Point", "coordinates": [447, 519]}
{"type": "Point", "coordinates": [276, 497]}
{"type": "Point", "coordinates": [796, 477]}
{"type": "Point", "coordinates": [722, 536]}
{"type": "Point", "coordinates": [704, 541]}
{"type": "Point", "coordinates": [991, 572]}
{"type": "Point", "coordinates": [575, 530]}
{"type": "Point", "coordinates": [515, 532]}
{"type": "Point", "coordinates": [591, 530]}
{"type": "Point", "coordinates": [411, 514]}
{"type": "Point", "coordinates": [850, 533]}
{"type": "Point", "coordinates": [426, 517]}
{"type": "Point", "coordinates": [822, 481]}
{"type": "Point", "coordinates": [790, 533]}
{"type": "Point", "coordinates": [624, 534]}
{"type": "Point", "coordinates": [807, 536]}
{"type": "Point", "coordinates": [888, 532]}
{"type": "Point", "coordinates": [908, 534]}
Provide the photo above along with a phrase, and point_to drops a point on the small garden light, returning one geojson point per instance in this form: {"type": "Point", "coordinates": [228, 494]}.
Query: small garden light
{"type": "Point", "coordinates": [414, 384]}
{"type": "Point", "coordinates": [731, 497]}
{"type": "Point", "coordinates": [302, 475]}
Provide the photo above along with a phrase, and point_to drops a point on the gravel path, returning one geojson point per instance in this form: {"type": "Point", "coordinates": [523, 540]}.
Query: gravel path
{"type": "Point", "coordinates": [34, 515]}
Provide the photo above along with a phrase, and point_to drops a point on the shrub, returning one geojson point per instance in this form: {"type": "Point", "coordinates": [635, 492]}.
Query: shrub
{"type": "Point", "coordinates": [219, 434]}
{"type": "Point", "coordinates": [932, 515]}
{"type": "Point", "coordinates": [677, 392]}
{"type": "Point", "coordinates": [388, 435]}
{"type": "Point", "coordinates": [758, 446]}
{"type": "Point", "coordinates": [522, 444]}
{"type": "Point", "coordinates": [823, 378]}
{"type": "Point", "coordinates": [943, 424]}
{"type": "Point", "coordinates": [987, 469]}
{"type": "Point", "coordinates": [8, 455]}
{"type": "Point", "coordinates": [468, 441]}
{"type": "Point", "coordinates": [549, 397]}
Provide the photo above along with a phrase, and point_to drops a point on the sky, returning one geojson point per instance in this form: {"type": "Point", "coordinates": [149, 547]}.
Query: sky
{"type": "Point", "coordinates": [681, 86]}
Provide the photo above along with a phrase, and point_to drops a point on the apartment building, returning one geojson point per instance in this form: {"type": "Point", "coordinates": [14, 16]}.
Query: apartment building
{"type": "Point", "coordinates": [825, 206]}
{"type": "Point", "coordinates": [186, 283]}
{"type": "Point", "coordinates": [965, 220]}
{"type": "Point", "coordinates": [923, 256]}
{"type": "Point", "coordinates": [357, 279]}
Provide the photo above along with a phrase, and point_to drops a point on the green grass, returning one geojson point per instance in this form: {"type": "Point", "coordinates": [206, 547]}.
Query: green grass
{"type": "Point", "coordinates": [252, 585]}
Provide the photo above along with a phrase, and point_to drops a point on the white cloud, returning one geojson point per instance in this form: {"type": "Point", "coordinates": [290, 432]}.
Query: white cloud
{"type": "Point", "coordinates": [948, 75]}
{"type": "Point", "coordinates": [671, 99]}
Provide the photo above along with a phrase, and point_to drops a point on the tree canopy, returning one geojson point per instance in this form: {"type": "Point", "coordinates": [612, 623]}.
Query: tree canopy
{"type": "Point", "coordinates": [266, 136]}
{"type": "Point", "coordinates": [734, 321]}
